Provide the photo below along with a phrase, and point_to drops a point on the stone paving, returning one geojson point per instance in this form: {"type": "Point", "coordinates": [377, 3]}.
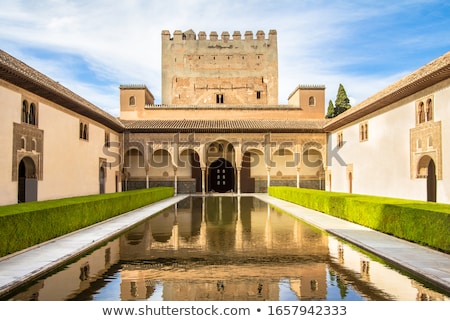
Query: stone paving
{"type": "Point", "coordinates": [427, 264]}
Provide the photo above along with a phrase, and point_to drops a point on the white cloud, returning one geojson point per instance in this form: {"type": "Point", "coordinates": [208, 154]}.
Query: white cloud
{"type": "Point", "coordinates": [320, 42]}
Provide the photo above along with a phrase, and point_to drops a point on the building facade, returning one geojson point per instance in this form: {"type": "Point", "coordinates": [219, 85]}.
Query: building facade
{"type": "Point", "coordinates": [220, 129]}
{"type": "Point", "coordinates": [54, 143]}
{"type": "Point", "coordinates": [395, 143]}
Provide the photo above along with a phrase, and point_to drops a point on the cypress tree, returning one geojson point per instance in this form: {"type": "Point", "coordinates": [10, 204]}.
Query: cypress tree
{"type": "Point", "coordinates": [342, 103]}
{"type": "Point", "coordinates": [330, 111]}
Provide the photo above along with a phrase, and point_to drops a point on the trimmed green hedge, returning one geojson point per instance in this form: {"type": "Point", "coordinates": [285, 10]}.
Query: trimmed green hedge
{"type": "Point", "coordinates": [416, 221]}
{"type": "Point", "coordinates": [27, 224]}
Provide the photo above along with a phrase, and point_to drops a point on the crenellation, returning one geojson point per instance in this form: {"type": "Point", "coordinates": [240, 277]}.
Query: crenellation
{"type": "Point", "coordinates": [177, 36]}
{"type": "Point", "coordinates": [260, 35]}
{"type": "Point", "coordinates": [225, 36]}
{"type": "Point", "coordinates": [248, 35]}
{"type": "Point", "coordinates": [214, 36]}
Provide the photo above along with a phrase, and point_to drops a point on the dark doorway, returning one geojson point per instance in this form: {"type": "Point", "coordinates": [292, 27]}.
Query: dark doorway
{"type": "Point", "coordinates": [27, 181]}
{"type": "Point", "coordinates": [196, 171]}
{"type": "Point", "coordinates": [431, 182]}
{"type": "Point", "coordinates": [221, 176]}
{"type": "Point", "coordinates": [102, 177]}
{"type": "Point", "coordinates": [247, 182]}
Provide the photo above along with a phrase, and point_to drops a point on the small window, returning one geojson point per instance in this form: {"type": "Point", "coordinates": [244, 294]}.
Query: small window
{"type": "Point", "coordinates": [107, 140]}
{"type": "Point", "coordinates": [29, 112]}
{"type": "Point", "coordinates": [34, 145]}
{"type": "Point", "coordinates": [258, 95]}
{"type": "Point", "coordinates": [340, 139]}
{"type": "Point", "coordinates": [84, 131]}
{"type": "Point", "coordinates": [424, 110]}
{"type": "Point", "coordinates": [24, 111]}
{"type": "Point", "coordinates": [421, 113]}
{"type": "Point", "coordinates": [429, 110]}
{"type": "Point", "coordinates": [312, 101]}
{"type": "Point", "coordinates": [219, 98]}
{"type": "Point", "coordinates": [32, 115]}
{"type": "Point", "coordinates": [363, 132]}
{"type": "Point", "coordinates": [132, 101]}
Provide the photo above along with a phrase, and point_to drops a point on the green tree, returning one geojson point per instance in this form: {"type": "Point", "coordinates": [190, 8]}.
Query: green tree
{"type": "Point", "coordinates": [341, 104]}
{"type": "Point", "coordinates": [330, 111]}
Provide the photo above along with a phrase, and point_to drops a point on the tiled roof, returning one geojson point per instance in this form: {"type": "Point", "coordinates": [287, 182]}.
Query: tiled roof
{"type": "Point", "coordinates": [225, 126]}
{"type": "Point", "coordinates": [24, 76]}
{"type": "Point", "coordinates": [426, 76]}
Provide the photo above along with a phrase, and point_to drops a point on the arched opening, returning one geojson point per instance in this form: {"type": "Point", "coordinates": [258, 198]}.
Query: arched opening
{"type": "Point", "coordinates": [27, 181]}
{"type": "Point", "coordinates": [431, 182]}
{"type": "Point", "coordinates": [312, 168]}
{"type": "Point", "coordinates": [427, 169]}
{"type": "Point", "coordinates": [247, 181]}
{"type": "Point", "coordinates": [221, 176]}
{"type": "Point", "coordinates": [189, 166]}
{"type": "Point", "coordinates": [133, 170]}
{"type": "Point", "coordinates": [220, 156]}
{"type": "Point", "coordinates": [253, 171]}
{"type": "Point", "coordinates": [102, 178]}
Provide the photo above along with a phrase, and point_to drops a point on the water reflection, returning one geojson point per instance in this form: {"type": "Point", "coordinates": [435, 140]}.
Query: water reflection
{"type": "Point", "coordinates": [226, 248]}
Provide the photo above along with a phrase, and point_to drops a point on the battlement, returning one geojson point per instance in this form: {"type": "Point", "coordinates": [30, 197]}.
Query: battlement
{"type": "Point", "coordinates": [179, 35]}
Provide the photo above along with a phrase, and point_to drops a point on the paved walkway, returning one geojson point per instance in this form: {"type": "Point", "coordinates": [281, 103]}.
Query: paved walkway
{"type": "Point", "coordinates": [427, 264]}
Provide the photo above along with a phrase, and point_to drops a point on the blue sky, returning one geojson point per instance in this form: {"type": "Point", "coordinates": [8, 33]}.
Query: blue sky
{"type": "Point", "coordinates": [92, 47]}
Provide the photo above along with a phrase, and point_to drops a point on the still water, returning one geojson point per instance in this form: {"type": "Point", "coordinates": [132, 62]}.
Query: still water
{"type": "Point", "coordinates": [226, 248]}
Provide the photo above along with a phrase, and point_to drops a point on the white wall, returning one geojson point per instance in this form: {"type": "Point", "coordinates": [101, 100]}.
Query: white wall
{"type": "Point", "coordinates": [442, 113]}
{"type": "Point", "coordinates": [71, 164]}
{"type": "Point", "coordinates": [381, 165]}
{"type": "Point", "coordinates": [10, 105]}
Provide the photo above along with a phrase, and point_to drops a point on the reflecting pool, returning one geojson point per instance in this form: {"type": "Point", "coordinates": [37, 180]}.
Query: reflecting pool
{"type": "Point", "coordinates": [226, 248]}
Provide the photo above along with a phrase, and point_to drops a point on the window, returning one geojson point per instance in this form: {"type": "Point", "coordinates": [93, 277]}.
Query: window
{"type": "Point", "coordinates": [84, 131]}
{"type": "Point", "coordinates": [219, 98]}
{"type": "Point", "coordinates": [363, 132]}
{"type": "Point", "coordinates": [32, 115]}
{"type": "Point", "coordinates": [29, 112]}
{"type": "Point", "coordinates": [34, 145]}
{"type": "Point", "coordinates": [424, 110]}
{"type": "Point", "coordinates": [312, 101]}
{"type": "Point", "coordinates": [132, 101]}
{"type": "Point", "coordinates": [429, 110]}
{"type": "Point", "coordinates": [421, 113]}
{"type": "Point", "coordinates": [340, 139]}
{"type": "Point", "coordinates": [24, 111]}
{"type": "Point", "coordinates": [107, 140]}
{"type": "Point", "coordinates": [258, 95]}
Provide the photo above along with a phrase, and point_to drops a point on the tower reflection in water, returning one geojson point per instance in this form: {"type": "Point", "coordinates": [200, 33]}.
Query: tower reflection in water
{"type": "Point", "coordinates": [226, 248]}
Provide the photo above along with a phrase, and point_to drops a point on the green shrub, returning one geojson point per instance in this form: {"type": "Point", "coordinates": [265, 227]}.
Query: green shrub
{"type": "Point", "coordinates": [26, 224]}
{"type": "Point", "coordinates": [416, 221]}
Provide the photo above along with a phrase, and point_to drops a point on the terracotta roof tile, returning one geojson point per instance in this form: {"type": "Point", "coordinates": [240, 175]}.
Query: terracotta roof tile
{"type": "Point", "coordinates": [219, 126]}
